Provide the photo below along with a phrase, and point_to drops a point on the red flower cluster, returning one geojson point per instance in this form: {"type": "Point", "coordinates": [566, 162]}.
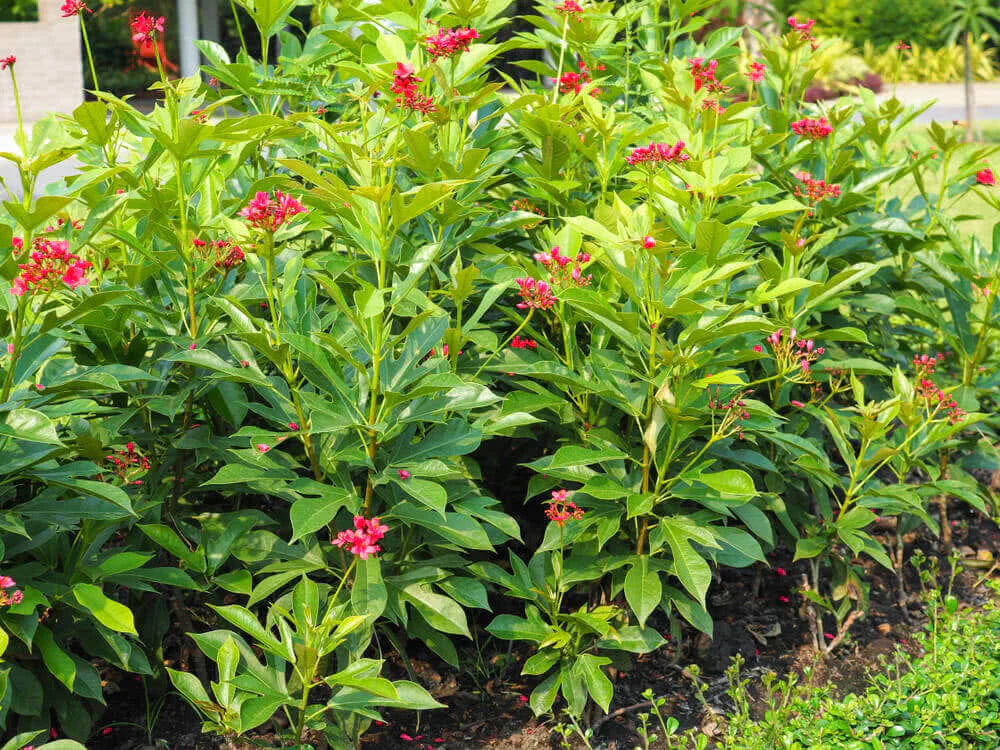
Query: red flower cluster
{"type": "Point", "coordinates": [145, 27]}
{"type": "Point", "coordinates": [561, 274]}
{"type": "Point", "coordinates": [570, 8]}
{"type": "Point", "coordinates": [127, 464]}
{"type": "Point", "coordinates": [51, 261]}
{"type": "Point", "coordinates": [814, 130]}
{"type": "Point", "coordinates": [986, 177]}
{"type": "Point", "coordinates": [13, 597]}
{"type": "Point", "coordinates": [648, 242]}
{"type": "Point", "coordinates": [815, 190]}
{"type": "Point", "coordinates": [519, 343]}
{"type": "Point", "coordinates": [225, 253]}
{"type": "Point", "coordinates": [523, 204]}
{"type": "Point", "coordinates": [7, 62]}
{"type": "Point", "coordinates": [570, 82]}
{"type": "Point", "coordinates": [535, 294]}
{"type": "Point", "coordinates": [657, 154]}
{"type": "Point", "coordinates": [804, 29]}
{"type": "Point", "coordinates": [902, 46]}
{"type": "Point", "coordinates": [704, 75]}
{"type": "Point", "coordinates": [791, 351]}
{"type": "Point", "coordinates": [74, 8]}
{"type": "Point", "coordinates": [450, 42]}
{"type": "Point", "coordinates": [361, 541]}
{"type": "Point", "coordinates": [406, 85]}
{"type": "Point", "coordinates": [267, 213]}
{"type": "Point", "coordinates": [560, 509]}
{"type": "Point", "coordinates": [756, 72]}
{"type": "Point", "coordinates": [735, 413]}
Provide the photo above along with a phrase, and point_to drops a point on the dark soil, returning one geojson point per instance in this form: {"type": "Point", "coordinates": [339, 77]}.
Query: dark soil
{"type": "Point", "coordinates": [489, 710]}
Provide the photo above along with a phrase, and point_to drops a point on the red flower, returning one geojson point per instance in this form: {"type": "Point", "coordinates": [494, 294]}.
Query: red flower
{"type": "Point", "coordinates": [293, 426]}
{"type": "Point", "coordinates": [450, 42]}
{"type": "Point", "coordinates": [704, 74]}
{"type": "Point", "coordinates": [804, 26]}
{"type": "Point", "coordinates": [404, 474]}
{"type": "Point", "coordinates": [812, 129]}
{"type": "Point", "coordinates": [518, 343]}
{"type": "Point", "coordinates": [361, 541]}
{"type": "Point", "coordinates": [145, 27]}
{"type": "Point", "coordinates": [902, 46]}
{"type": "Point", "coordinates": [986, 177]}
{"type": "Point", "coordinates": [658, 153]}
{"type": "Point", "coordinates": [570, 8]}
{"type": "Point", "coordinates": [561, 274]}
{"type": "Point", "coordinates": [406, 85]}
{"type": "Point", "coordinates": [267, 213]}
{"type": "Point", "coordinates": [561, 509]}
{"type": "Point", "coordinates": [263, 447]}
{"type": "Point", "coordinates": [6, 62]}
{"type": "Point", "coordinates": [756, 72]}
{"type": "Point", "coordinates": [74, 8]}
{"type": "Point", "coordinates": [815, 190]}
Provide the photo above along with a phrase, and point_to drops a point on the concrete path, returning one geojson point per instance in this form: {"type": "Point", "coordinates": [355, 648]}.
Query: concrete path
{"type": "Point", "coordinates": [949, 99]}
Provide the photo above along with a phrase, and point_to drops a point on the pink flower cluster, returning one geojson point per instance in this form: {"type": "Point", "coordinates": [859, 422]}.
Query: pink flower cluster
{"type": "Point", "coordinates": [7, 62]}
{"type": "Point", "coordinates": [815, 190]}
{"type": "Point", "coordinates": [792, 352]}
{"type": "Point", "coordinates": [561, 509]}
{"type": "Point", "coordinates": [986, 177]}
{"type": "Point", "coordinates": [12, 597]}
{"type": "Point", "coordinates": [145, 27]}
{"type": "Point", "coordinates": [814, 130]}
{"type": "Point", "coordinates": [518, 343]}
{"type": "Point", "coordinates": [937, 399]}
{"type": "Point", "coordinates": [450, 42]}
{"type": "Point", "coordinates": [805, 30]}
{"type": "Point", "coordinates": [925, 365]}
{"type": "Point", "coordinates": [658, 153]}
{"type": "Point", "coordinates": [226, 255]}
{"type": "Point", "coordinates": [535, 294]}
{"type": "Point", "coordinates": [362, 540]}
{"type": "Point", "coordinates": [407, 86]}
{"type": "Point", "coordinates": [51, 261]}
{"type": "Point", "coordinates": [561, 273]}
{"type": "Point", "coordinates": [72, 8]}
{"type": "Point", "coordinates": [267, 213]}
{"type": "Point", "coordinates": [756, 72]}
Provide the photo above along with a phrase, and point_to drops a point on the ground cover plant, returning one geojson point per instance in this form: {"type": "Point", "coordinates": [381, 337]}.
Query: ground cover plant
{"type": "Point", "coordinates": [366, 346]}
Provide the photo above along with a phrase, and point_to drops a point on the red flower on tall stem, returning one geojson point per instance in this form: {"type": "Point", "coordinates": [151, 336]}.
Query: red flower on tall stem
{"type": "Point", "coordinates": [7, 62]}
{"type": "Point", "coordinates": [72, 8]}
{"type": "Point", "coordinates": [145, 27]}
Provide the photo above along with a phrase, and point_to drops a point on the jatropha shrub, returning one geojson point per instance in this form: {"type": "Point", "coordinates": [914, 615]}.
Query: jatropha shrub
{"type": "Point", "coordinates": [269, 348]}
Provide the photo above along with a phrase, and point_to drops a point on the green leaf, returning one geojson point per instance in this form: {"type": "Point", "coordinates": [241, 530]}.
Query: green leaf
{"type": "Point", "coordinates": [643, 590]}
{"type": "Point", "coordinates": [690, 568]}
{"type": "Point", "coordinates": [108, 612]}
{"type": "Point", "coordinates": [597, 682]}
{"type": "Point", "coordinates": [441, 612]}
{"type": "Point", "coordinates": [368, 594]}
{"type": "Point", "coordinates": [739, 549]}
{"type": "Point", "coordinates": [59, 663]}
{"type": "Point", "coordinates": [513, 628]}
{"type": "Point", "coordinates": [731, 484]}
{"type": "Point", "coordinates": [543, 696]}
{"type": "Point", "coordinates": [28, 424]}
{"type": "Point", "coordinates": [313, 513]}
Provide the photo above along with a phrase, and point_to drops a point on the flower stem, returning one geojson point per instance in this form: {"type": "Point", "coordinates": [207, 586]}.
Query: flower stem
{"type": "Point", "coordinates": [90, 55]}
{"type": "Point", "coordinates": [562, 56]}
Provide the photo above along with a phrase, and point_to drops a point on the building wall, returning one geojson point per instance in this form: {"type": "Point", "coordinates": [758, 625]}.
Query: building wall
{"type": "Point", "coordinates": [49, 64]}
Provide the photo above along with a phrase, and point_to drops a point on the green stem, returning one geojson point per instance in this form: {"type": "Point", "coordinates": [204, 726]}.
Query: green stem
{"type": "Point", "coordinates": [90, 55]}
{"type": "Point", "coordinates": [8, 382]}
{"type": "Point", "coordinates": [239, 27]}
{"type": "Point", "coordinates": [22, 141]}
{"type": "Point", "coordinates": [505, 343]}
{"type": "Point", "coordinates": [562, 56]}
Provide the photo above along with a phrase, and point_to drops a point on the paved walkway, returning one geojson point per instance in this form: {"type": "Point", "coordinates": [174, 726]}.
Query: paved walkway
{"type": "Point", "coordinates": [949, 99]}
{"type": "Point", "coordinates": [949, 105]}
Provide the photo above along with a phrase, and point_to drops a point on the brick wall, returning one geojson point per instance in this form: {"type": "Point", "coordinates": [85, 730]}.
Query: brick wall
{"type": "Point", "coordinates": [49, 64]}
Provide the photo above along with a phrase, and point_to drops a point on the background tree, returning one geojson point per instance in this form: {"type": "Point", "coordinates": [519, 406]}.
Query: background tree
{"type": "Point", "coordinates": [971, 18]}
